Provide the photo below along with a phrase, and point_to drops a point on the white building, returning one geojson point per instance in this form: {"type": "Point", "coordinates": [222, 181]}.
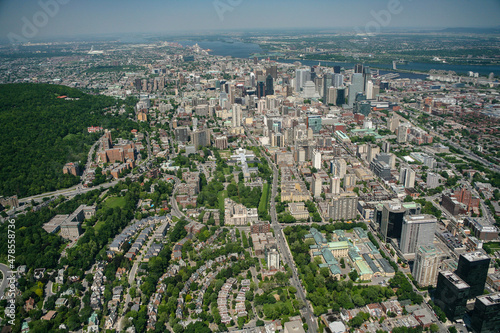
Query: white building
{"type": "Point", "coordinates": [316, 160]}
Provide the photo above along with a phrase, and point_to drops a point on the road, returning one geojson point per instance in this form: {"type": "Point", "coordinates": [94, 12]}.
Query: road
{"type": "Point", "coordinates": [5, 273]}
{"type": "Point", "coordinates": [175, 208]}
{"type": "Point", "coordinates": [307, 311]}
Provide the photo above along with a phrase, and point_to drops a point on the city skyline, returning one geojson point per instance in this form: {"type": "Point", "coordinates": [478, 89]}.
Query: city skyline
{"type": "Point", "coordinates": [66, 18]}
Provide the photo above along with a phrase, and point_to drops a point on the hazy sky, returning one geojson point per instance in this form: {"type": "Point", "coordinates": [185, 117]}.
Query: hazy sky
{"type": "Point", "coordinates": [77, 17]}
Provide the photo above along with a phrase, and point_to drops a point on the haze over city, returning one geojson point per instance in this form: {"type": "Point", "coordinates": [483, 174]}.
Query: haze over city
{"type": "Point", "coordinates": [76, 18]}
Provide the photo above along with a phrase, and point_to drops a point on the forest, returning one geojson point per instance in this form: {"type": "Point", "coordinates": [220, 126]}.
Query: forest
{"type": "Point", "coordinates": [40, 132]}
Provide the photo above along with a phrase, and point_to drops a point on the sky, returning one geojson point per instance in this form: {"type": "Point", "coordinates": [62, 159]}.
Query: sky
{"type": "Point", "coordinates": [38, 19]}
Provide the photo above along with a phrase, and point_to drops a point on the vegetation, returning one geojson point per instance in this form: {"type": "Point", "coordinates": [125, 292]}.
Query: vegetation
{"type": "Point", "coordinates": [49, 131]}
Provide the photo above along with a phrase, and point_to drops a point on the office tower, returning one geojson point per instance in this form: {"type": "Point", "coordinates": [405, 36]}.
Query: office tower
{"type": "Point", "coordinates": [314, 122]}
{"type": "Point", "coordinates": [391, 220]}
{"type": "Point", "coordinates": [236, 115]}
{"type": "Point", "coordinates": [338, 80]}
{"type": "Point", "coordinates": [301, 77]}
{"type": "Point", "coordinates": [200, 138]}
{"type": "Point", "coordinates": [473, 269]}
{"type": "Point", "coordinates": [327, 83]}
{"type": "Point", "coordinates": [402, 133]}
{"type": "Point", "coordinates": [261, 89]}
{"type": "Point", "coordinates": [255, 60]}
{"type": "Point", "coordinates": [407, 177]}
{"type": "Point", "coordinates": [355, 88]}
{"type": "Point", "coordinates": [316, 159]}
{"type": "Point", "coordinates": [485, 318]}
{"type": "Point", "coordinates": [358, 68]}
{"type": "Point", "coordinates": [373, 150]}
{"type": "Point", "coordinates": [232, 93]}
{"type": "Point", "coordinates": [341, 167]}
{"type": "Point", "coordinates": [369, 90]}
{"type": "Point", "coordinates": [261, 106]}
{"type": "Point", "coordinates": [349, 181]}
{"type": "Point", "coordinates": [273, 71]}
{"type": "Point", "coordinates": [316, 185]}
{"type": "Point", "coordinates": [335, 185]}
{"type": "Point", "coordinates": [343, 206]}
{"type": "Point", "coordinates": [433, 180]}
{"type": "Point", "coordinates": [331, 97]}
{"type": "Point", "coordinates": [388, 158]}
{"type": "Point", "coordinates": [340, 96]}
{"type": "Point", "coordinates": [417, 230]}
{"type": "Point", "coordinates": [386, 147]}
{"type": "Point", "coordinates": [336, 69]}
{"type": "Point", "coordinates": [425, 268]}
{"type": "Point", "coordinates": [451, 294]}
{"type": "Point", "coordinates": [367, 76]}
{"type": "Point", "coordinates": [269, 85]}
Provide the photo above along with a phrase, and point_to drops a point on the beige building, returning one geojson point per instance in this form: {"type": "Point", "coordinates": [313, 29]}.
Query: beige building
{"type": "Point", "coordinates": [238, 214]}
{"type": "Point", "coordinates": [298, 210]}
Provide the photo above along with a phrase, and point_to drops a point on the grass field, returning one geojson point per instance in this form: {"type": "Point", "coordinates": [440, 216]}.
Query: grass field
{"type": "Point", "coordinates": [115, 202]}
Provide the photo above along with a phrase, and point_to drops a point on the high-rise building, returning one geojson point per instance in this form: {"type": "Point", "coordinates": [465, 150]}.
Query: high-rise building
{"type": "Point", "coordinates": [486, 315]}
{"type": "Point", "coordinates": [355, 88]}
{"type": "Point", "coordinates": [316, 159]}
{"type": "Point", "coordinates": [358, 68]}
{"type": "Point", "coordinates": [201, 138]}
{"type": "Point", "coordinates": [273, 71]}
{"type": "Point", "coordinates": [393, 124]}
{"type": "Point", "coordinates": [473, 269]}
{"type": "Point", "coordinates": [386, 147]}
{"type": "Point", "coordinates": [417, 230]}
{"type": "Point", "coordinates": [338, 80]}
{"type": "Point", "coordinates": [316, 185]}
{"type": "Point", "coordinates": [273, 259]}
{"type": "Point", "coordinates": [182, 134]}
{"type": "Point", "coordinates": [372, 151]}
{"type": "Point", "coordinates": [341, 167]}
{"type": "Point", "coordinates": [314, 122]}
{"type": "Point", "coordinates": [390, 220]}
{"type": "Point", "coordinates": [433, 180]}
{"type": "Point", "coordinates": [407, 177]}
{"type": "Point", "coordinates": [261, 89]}
{"type": "Point", "coordinates": [269, 85]}
{"type": "Point", "coordinates": [335, 185]}
{"type": "Point", "coordinates": [344, 207]}
{"type": "Point", "coordinates": [451, 294]}
{"type": "Point", "coordinates": [236, 115]}
{"type": "Point", "coordinates": [301, 77]}
{"type": "Point", "coordinates": [340, 100]}
{"type": "Point", "coordinates": [402, 133]}
{"type": "Point", "coordinates": [336, 69]}
{"type": "Point", "coordinates": [328, 81]}
{"type": "Point", "coordinates": [426, 266]}
{"type": "Point", "coordinates": [369, 90]}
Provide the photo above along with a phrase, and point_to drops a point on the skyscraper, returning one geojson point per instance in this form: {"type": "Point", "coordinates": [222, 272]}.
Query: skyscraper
{"type": "Point", "coordinates": [273, 71]}
{"type": "Point", "coordinates": [340, 96]}
{"type": "Point", "coordinates": [425, 268]}
{"type": "Point", "coordinates": [451, 294]}
{"type": "Point", "coordinates": [327, 83]}
{"type": "Point", "coordinates": [316, 185]}
{"type": "Point", "coordinates": [373, 150]}
{"type": "Point", "coordinates": [314, 122]}
{"type": "Point", "coordinates": [269, 85]}
{"type": "Point", "coordinates": [407, 177]}
{"type": "Point", "coordinates": [316, 159]}
{"type": "Point", "coordinates": [486, 315]}
{"type": "Point", "coordinates": [341, 167]}
{"type": "Point", "coordinates": [358, 68]}
{"type": "Point", "coordinates": [417, 230]}
{"type": "Point", "coordinates": [391, 220]}
{"type": "Point", "coordinates": [338, 80]}
{"type": "Point", "coordinates": [355, 87]}
{"type": "Point", "coordinates": [335, 185]}
{"type": "Point", "coordinates": [236, 115]}
{"type": "Point", "coordinates": [301, 77]}
{"type": "Point", "coordinates": [473, 269]}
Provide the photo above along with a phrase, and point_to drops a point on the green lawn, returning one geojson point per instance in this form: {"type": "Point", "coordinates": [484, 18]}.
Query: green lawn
{"type": "Point", "coordinates": [221, 196]}
{"type": "Point", "coordinates": [115, 202]}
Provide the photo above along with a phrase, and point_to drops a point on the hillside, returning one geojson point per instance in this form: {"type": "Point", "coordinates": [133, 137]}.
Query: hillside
{"type": "Point", "coordinates": [40, 132]}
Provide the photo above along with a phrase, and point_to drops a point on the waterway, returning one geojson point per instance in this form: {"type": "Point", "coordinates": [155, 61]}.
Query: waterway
{"type": "Point", "coordinates": [237, 49]}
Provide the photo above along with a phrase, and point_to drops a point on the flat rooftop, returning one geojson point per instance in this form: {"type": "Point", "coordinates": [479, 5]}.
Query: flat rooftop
{"type": "Point", "coordinates": [492, 299]}
{"type": "Point", "coordinates": [455, 279]}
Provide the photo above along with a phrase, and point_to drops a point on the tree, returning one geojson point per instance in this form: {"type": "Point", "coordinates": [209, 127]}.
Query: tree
{"type": "Point", "coordinates": [353, 275]}
{"type": "Point", "coordinates": [434, 328]}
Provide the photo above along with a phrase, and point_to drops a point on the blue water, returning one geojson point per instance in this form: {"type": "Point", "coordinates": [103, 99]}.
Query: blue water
{"type": "Point", "coordinates": [227, 48]}
{"type": "Point", "coordinates": [238, 49]}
